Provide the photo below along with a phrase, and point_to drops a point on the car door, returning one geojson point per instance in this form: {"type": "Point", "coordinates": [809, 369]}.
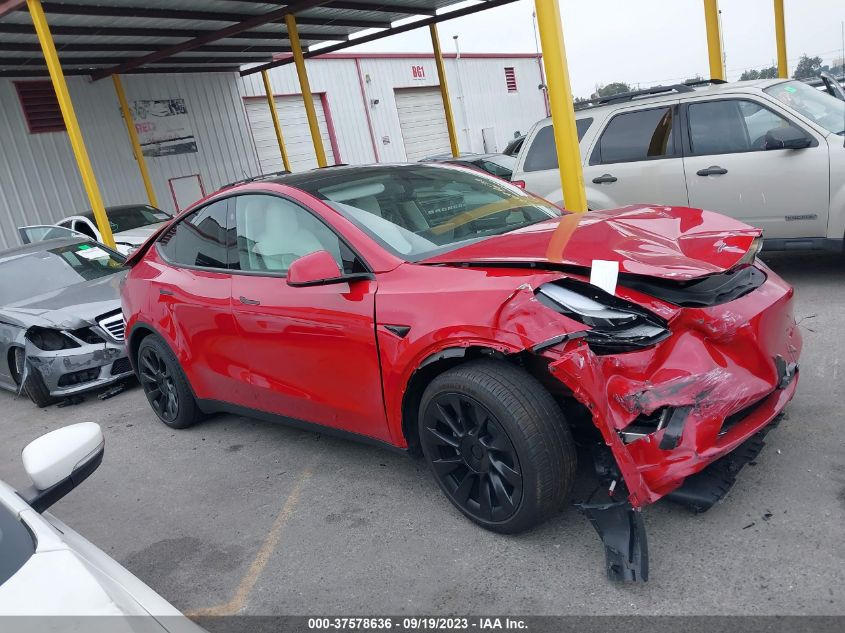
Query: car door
{"type": "Point", "coordinates": [637, 159]}
{"type": "Point", "coordinates": [785, 192]}
{"type": "Point", "coordinates": [310, 351]}
{"type": "Point", "coordinates": [193, 303]}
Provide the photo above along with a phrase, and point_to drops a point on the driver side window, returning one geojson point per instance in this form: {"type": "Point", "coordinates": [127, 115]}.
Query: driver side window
{"type": "Point", "coordinates": [728, 126]}
{"type": "Point", "coordinates": [273, 232]}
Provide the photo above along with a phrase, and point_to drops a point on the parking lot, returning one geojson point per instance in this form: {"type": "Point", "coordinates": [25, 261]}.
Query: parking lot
{"type": "Point", "coordinates": [240, 516]}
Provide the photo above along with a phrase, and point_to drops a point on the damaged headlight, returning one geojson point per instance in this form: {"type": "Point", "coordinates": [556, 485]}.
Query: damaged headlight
{"type": "Point", "coordinates": [50, 340]}
{"type": "Point", "coordinates": [616, 325]}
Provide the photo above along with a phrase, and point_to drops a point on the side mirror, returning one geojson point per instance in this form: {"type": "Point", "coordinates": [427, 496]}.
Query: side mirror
{"type": "Point", "coordinates": [61, 460]}
{"type": "Point", "coordinates": [786, 138]}
{"type": "Point", "coordinates": [313, 269]}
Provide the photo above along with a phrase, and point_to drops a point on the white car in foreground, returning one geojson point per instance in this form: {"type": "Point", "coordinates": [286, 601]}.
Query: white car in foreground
{"type": "Point", "coordinates": [47, 569]}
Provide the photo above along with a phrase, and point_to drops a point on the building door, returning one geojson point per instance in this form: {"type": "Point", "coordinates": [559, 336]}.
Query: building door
{"type": "Point", "coordinates": [423, 122]}
{"type": "Point", "coordinates": [294, 122]}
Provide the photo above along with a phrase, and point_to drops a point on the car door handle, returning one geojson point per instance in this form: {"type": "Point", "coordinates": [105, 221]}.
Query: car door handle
{"type": "Point", "coordinates": [250, 302]}
{"type": "Point", "coordinates": [605, 178]}
{"type": "Point", "coordinates": [713, 170]}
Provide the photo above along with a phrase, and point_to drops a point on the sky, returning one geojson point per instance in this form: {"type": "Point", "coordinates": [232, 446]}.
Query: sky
{"type": "Point", "coordinates": [642, 42]}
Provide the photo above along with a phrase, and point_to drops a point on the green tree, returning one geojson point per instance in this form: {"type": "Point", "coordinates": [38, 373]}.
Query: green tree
{"type": "Point", "coordinates": [771, 72]}
{"type": "Point", "coordinates": [614, 88]}
{"type": "Point", "coordinates": [808, 67]}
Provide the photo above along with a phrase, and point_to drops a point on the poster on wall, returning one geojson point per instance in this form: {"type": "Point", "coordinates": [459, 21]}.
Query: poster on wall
{"type": "Point", "coordinates": [163, 127]}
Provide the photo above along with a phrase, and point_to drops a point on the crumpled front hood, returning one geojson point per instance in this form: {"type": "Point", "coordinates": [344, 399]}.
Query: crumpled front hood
{"type": "Point", "coordinates": [669, 242]}
{"type": "Point", "coordinates": [69, 307]}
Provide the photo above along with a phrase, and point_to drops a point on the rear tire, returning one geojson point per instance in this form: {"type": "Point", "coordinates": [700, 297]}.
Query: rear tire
{"type": "Point", "coordinates": [165, 384]}
{"type": "Point", "coordinates": [497, 444]}
{"type": "Point", "coordinates": [34, 386]}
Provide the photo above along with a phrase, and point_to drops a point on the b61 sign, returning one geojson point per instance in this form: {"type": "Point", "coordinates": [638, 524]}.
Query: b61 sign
{"type": "Point", "coordinates": [418, 72]}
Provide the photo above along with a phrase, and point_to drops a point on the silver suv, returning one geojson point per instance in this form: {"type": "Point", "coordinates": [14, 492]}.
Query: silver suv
{"type": "Point", "coordinates": [769, 153]}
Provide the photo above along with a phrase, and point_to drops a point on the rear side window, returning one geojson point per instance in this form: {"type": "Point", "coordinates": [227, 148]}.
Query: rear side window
{"type": "Point", "coordinates": [200, 239]}
{"type": "Point", "coordinates": [542, 154]}
{"type": "Point", "coordinates": [634, 136]}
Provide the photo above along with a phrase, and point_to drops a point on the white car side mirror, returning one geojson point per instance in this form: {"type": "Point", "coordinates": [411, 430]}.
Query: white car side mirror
{"type": "Point", "coordinates": [60, 460]}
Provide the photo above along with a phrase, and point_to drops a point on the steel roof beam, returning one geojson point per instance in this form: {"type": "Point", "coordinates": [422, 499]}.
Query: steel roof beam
{"type": "Point", "coordinates": [123, 31]}
{"type": "Point", "coordinates": [167, 70]}
{"type": "Point", "coordinates": [368, 5]}
{"type": "Point", "coordinates": [441, 17]}
{"type": "Point", "coordinates": [28, 47]}
{"type": "Point", "coordinates": [106, 61]}
{"type": "Point", "coordinates": [7, 6]}
{"type": "Point", "coordinates": [216, 16]}
{"type": "Point", "coordinates": [229, 31]}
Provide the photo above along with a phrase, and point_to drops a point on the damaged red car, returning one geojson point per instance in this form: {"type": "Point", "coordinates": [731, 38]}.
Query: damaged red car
{"type": "Point", "coordinates": [442, 311]}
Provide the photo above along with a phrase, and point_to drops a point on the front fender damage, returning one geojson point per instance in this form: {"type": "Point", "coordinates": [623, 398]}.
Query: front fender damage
{"type": "Point", "coordinates": [710, 392]}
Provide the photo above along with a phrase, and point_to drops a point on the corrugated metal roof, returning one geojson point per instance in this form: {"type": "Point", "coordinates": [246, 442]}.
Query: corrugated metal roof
{"type": "Point", "coordinates": [100, 37]}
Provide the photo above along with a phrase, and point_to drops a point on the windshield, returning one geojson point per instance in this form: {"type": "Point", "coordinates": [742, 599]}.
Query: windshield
{"type": "Point", "coordinates": [128, 218]}
{"type": "Point", "coordinates": [818, 106]}
{"type": "Point", "coordinates": [16, 544]}
{"type": "Point", "coordinates": [36, 273]}
{"type": "Point", "coordinates": [501, 166]}
{"type": "Point", "coordinates": [419, 211]}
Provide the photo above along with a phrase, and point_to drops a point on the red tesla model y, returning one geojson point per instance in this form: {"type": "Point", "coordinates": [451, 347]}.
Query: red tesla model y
{"type": "Point", "coordinates": [441, 310]}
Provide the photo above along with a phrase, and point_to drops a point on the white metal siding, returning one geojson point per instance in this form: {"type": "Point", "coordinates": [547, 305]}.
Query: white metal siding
{"type": "Point", "coordinates": [295, 130]}
{"type": "Point", "coordinates": [422, 120]}
{"type": "Point", "coordinates": [338, 79]}
{"type": "Point", "coordinates": [39, 180]}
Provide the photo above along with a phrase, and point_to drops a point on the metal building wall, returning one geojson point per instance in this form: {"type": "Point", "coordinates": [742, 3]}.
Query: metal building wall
{"type": "Point", "coordinates": [481, 83]}
{"type": "Point", "coordinates": [39, 182]}
{"type": "Point", "coordinates": [338, 79]}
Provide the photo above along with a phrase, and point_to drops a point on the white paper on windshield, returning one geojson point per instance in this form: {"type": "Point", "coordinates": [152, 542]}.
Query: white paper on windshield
{"type": "Point", "coordinates": [604, 275]}
{"type": "Point", "coordinates": [161, 216]}
{"type": "Point", "coordinates": [95, 252]}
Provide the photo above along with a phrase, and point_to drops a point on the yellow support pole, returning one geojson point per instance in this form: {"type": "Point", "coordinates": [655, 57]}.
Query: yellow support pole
{"type": "Point", "coordinates": [133, 138]}
{"type": "Point", "coordinates": [45, 38]}
{"type": "Point", "coordinates": [780, 36]}
{"type": "Point", "coordinates": [305, 89]}
{"type": "Point", "coordinates": [444, 90]}
{"type": "Point", "coordinates": [271, 101]}
{"type": "Point", "coordinates": [714, 39]}
{"type": "Point", "coordinates": [561, 105]}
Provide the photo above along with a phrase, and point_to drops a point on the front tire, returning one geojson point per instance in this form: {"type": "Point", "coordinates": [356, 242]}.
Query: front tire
{"type": "Point", "coordinates": [165, 384]}
{"type": "Point", "coordinates": [497, 444]}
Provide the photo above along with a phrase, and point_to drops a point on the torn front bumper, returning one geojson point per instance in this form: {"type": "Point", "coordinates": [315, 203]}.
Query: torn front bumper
{"type": "Point", "coordinates": [725, 373]}
{"type": "Point", "coordinates": [71, 371]}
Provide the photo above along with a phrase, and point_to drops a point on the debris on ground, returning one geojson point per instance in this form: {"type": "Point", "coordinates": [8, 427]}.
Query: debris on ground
{"type": "Point", "coordinates": [113, 391]}
{"type": "Point", "coordinates": [70, 401]}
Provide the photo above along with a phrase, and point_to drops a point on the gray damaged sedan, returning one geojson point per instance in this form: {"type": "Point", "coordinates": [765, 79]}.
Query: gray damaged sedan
{"type": "Point", "coordinates": [61, 327]}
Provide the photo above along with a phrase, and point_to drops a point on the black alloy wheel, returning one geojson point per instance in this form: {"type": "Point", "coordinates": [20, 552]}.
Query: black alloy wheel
{"type": "Point", "coordinates": [497, 444]}
{"type": "Point", "coordinates": [165, 384]}
{"type": "Point", "coordinates": [158, 384]}
{"type": "Point", "coordinates": [473, 457]}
